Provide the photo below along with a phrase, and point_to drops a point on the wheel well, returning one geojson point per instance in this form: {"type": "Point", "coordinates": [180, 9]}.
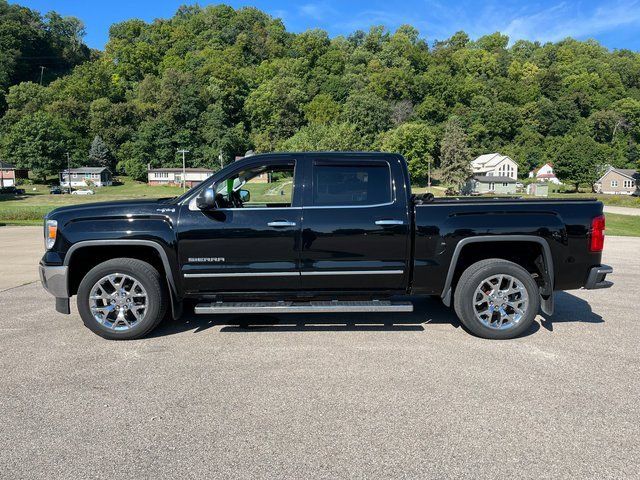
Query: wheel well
{"type": "Point", "coordinates": [528, 255]}
{"type": "Point", "coordinates": [85, 258]}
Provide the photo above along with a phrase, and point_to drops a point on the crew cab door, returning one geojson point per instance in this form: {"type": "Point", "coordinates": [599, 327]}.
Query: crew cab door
{"type": "Point", "coordinates": [356, 225]}
{"type": "Point", "coordinates": [245, 244]}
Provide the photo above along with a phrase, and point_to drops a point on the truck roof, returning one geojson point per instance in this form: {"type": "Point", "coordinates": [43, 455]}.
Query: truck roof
{"type": "Point", "coordinates": [337, 154]}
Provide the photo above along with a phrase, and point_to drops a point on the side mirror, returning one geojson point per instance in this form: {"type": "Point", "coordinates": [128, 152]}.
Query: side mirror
{"type": "Point", "coordinates": [206, 200]}
{"type": "Point", "coordinates": [245, 195]}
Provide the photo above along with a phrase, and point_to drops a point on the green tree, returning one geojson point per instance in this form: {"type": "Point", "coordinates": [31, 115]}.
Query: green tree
{"type": "Point", "coordinates": [417, 143]}
{"type": "Point", "coordinates": [454, 154]}
{"type": "Point", "coordinates": [37, 142]}
{"type": "Point", "coordinates": [579, 160]}
{"type": "Point", "coordinates": [99, 153]}
{"type": "Point", "coordinates": [369, 113]}
{"type": "Point", "coordinates": [330, 137]}
{"type": "Point", "coordinates": [217, 79]}
{"type": "Point", "coordinates": [322, 109]}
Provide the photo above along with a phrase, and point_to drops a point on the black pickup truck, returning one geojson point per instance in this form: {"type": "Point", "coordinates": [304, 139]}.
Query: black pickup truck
{"type": "Point", "coordinates": [319, 233]}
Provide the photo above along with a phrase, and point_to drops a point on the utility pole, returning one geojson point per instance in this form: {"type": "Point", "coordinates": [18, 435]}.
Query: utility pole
{"type": "Point", "coordinates": [69, 172]}
{"type": "Point", "coordinates": [41, 73]}
{"type": "Point", "coordinates": [221, 158]}
{"type": "Point", "coordinates": [184, 165]}
{"type": "Point", "coordinates": [429, 173]}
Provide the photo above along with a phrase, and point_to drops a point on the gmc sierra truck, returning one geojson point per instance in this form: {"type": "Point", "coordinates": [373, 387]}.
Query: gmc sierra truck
{"type": "Point", "coordinates": [319, 233]}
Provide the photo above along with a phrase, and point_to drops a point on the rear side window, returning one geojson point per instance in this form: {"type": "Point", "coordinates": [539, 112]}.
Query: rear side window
{"type": "Point", "coordinates": [351, 184]}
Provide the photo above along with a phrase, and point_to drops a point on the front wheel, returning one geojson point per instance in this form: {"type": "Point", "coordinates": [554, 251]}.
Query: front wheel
{"type": "Point", "coordinates": [496, 299]}
{"type": "Point", "coordinates": [122, 299]}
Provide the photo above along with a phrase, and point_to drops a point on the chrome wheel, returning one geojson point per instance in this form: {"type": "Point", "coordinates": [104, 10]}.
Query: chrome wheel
{"type": "Point", "coordinates": [500, 302]}
{"type": "Point", "coordinates": [118, 301]}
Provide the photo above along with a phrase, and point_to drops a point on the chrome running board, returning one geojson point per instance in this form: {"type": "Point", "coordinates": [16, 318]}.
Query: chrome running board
{"type": "Point", "coordinates": [334, 306]}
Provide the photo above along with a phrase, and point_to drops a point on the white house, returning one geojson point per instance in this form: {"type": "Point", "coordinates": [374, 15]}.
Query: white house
{"type": "Point", "coordinates": [545, 174]}
{"type": "Point", "coordinates": [494, 165]}
{"type": "Point", "coordinates": [85, 176]}
{"type": "Point", "coordinates": [173, 176]}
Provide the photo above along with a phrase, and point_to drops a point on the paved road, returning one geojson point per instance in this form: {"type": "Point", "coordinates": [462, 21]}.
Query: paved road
{"type": "Point", "coordinates": [20, 250]}
{"type": "Point", "coordinates": [622, 210]}
{"type": "Point", "coordinates": [418, 400]}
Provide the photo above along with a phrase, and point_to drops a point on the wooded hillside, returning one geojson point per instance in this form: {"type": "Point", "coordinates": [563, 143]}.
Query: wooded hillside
{"type": "Point", "coordinates": [217, 81]}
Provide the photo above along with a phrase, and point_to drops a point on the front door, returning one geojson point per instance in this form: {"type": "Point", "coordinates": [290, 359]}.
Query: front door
{"type": "Point", "coordinates": [250, 241]}
{"type": "Point", "coordinates": [356, 226]}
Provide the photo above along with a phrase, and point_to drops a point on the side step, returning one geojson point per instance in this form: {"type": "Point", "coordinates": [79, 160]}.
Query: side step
{"type": "Point", "coordinates": [333, 306]}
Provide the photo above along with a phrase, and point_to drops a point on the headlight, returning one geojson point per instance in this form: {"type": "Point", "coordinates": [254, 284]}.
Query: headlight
{"type": "Point", "coordinates": [50, 233]}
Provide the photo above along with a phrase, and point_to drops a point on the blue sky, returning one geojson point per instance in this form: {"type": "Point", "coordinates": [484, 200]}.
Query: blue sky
{"type": "Point", "coordinates": [615, 23]}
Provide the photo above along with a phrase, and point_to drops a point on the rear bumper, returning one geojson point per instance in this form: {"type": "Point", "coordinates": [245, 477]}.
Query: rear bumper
{"type": "Point", "coordinates": [54, 279]}
{"type": "Point", "coordinates": [596, 278]}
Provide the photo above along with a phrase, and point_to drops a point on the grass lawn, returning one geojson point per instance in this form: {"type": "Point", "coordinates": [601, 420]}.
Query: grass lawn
{"type": "Point", "coordinates": [31, 209]}
{"type": "Point", "coordinates": [623, 225]}
{"type": "Point", "coordinates": [611, 200]}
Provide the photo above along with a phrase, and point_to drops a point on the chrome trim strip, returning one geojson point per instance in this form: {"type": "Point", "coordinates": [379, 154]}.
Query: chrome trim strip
{"type": "Point", "coordinates": [281, 224]}
{"type": "Point", "coordinates": [193, 208]}
{"type": "Point", "coordinates": [354, 272]}
{"type": "Point", "coordinates": [294, 274]}
{"type": "Point", "coordinates": [389, 222]}
{"type": "Point", "coordinates": [315, 207]}
{"type": "Point", "coordinates": [242, 274]}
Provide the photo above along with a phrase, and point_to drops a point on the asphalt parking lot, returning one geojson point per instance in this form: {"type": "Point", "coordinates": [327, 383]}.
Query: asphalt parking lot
{"type": "Point", "coordinates": [352, 399]}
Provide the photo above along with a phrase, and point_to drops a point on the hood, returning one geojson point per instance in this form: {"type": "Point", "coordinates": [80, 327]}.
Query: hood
{"type": "Point", "coordinates": [132, 207]}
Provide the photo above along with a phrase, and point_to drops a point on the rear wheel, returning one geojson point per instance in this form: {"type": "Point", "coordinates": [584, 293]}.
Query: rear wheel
{"type": "Point", "coordinates": [122, 299]}
{"type": "Point", "coordinates": [496, 299]}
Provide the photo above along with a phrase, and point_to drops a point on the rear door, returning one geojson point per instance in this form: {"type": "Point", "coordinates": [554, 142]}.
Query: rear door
{"type": "Point", "coordinates": [356, 225]}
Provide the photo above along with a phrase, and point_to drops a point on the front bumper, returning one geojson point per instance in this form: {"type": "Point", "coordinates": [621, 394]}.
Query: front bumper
{"type": "Point", "coordinates": [596, 278]}
{"type": "Point", "coordinates": [55, 281]}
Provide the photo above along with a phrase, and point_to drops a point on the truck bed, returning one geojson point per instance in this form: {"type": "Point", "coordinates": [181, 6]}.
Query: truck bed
{"type": "Point", "coordinates": [563, 225]}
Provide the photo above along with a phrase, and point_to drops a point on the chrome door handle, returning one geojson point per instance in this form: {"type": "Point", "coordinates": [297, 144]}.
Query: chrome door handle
{"type": "Point", "coordinates": [282, 224]}
{"type": "Point", "coordinates": [389, 222]}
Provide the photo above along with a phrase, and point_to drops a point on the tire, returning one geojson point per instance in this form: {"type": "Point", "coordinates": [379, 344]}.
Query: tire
{"type": "Point", "coordinates": [140, 313]}
{"type": "Point", "coordinates": [480, 303]}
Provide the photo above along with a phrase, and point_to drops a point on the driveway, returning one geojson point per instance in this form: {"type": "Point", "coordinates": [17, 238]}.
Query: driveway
{"type": "Point", "coordinates": [622, 210]}
{"type": "Point", "coordinates": [423, 398]}
{"type": "Point", "coordinates": [20, 250]}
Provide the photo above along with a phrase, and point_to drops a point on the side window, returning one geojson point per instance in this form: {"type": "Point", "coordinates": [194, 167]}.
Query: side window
{"type": "Point", "coordinates": [351, 184]}
{"type": "Point", "coordinates": [267, 186]}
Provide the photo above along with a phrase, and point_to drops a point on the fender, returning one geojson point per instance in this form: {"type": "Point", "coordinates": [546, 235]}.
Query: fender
{"type": "Point", "coordinates": [546, 303]}
{"type": "Point", "coordinates": [176, 304]}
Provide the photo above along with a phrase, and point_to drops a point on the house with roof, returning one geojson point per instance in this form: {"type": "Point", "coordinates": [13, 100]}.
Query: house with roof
{"type": "Point", "coordinates": [545, 174]}
{"type": "Point", "coordinates": [492, 173]}
{"type": "Point", "coordinates": [175, 176]}
{"type": "Point", "coordinates": [494, 164]}
{"type": "Point", "coordinates": [618, 181]}
{"type": "Point", "coordinates": [86, 176]}
{"type": "Point", "coordinates": [9, 174]}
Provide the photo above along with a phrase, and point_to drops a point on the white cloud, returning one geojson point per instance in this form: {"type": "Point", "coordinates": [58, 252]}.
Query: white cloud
{"type": "Point", "coordinates": [568, 20]}
{"type": "Point", "coordinates": [317, 11]}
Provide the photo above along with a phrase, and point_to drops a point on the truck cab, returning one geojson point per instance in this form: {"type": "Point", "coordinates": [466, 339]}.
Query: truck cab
{"type": "Point", "coordinates": [319, 223]}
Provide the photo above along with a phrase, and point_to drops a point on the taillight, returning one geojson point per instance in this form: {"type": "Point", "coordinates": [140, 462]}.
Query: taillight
{"type": "Point", "coordinates": [597, 234]}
